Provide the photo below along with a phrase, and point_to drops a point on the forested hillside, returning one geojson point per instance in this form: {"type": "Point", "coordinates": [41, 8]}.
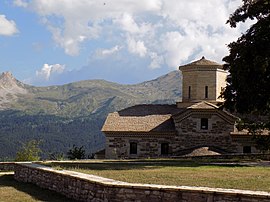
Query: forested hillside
{"type": "Point", "coordinates": [71, 114]}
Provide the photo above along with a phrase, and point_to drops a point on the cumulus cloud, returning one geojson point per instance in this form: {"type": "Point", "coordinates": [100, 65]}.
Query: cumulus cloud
{"type": "Point", "coordinates": [20, 3]}
{"type": "Point", "coordinates": [101, 53]}
{"type": "Point", "coordinates": [128, 24]}
{"type": "Point", "coordinates": [156, 60]}
{"type": "Point", "coordinates": [7, 27]}
{"type": "Point", "coordinates": [166, 32]}
{"type": "Point", "coordinates": [137, 47]}
{"type": "Point", "coordinates": [47, 71]}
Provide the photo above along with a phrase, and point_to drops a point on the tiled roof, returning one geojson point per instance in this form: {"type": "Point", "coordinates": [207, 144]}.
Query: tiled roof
{"type": "Point", "coordinates": [202, 63]}
{"type": "Point", "coordinates": [142, 118]}
{"type": "Point", "coordinates": [203, 105]}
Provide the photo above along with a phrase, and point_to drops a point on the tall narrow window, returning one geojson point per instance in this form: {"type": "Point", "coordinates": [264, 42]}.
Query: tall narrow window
{"type": "Point", "coordinates": [189, 92]}
{"type": "Point", "coordinates": [133, 148]}
{"type": "Point", "coordinates": [206, 91]}
{"type": "Point", "coordinates": [204, 124]}
{"type": "Point", "coordinates": [164, 148]}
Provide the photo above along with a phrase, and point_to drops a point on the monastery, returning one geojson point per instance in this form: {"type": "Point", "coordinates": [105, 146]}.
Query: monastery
{"type": "Point", "coordinates": [197, 121]}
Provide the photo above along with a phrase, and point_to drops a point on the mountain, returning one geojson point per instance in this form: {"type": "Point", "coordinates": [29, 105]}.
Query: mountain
{"type": "Point", "coordinates": [9, 89]}
{"type": "Point", "coordinates": [70, 114]}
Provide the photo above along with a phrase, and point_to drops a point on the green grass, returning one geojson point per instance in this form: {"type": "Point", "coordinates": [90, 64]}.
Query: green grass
{"type": "Point", "coordinates": [178, 172]}
{"type": "Point", "coordinates": [13, 191]}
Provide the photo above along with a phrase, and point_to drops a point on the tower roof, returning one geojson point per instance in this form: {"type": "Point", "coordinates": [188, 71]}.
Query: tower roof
{"type": "Point", "coordinates": [201, 63]}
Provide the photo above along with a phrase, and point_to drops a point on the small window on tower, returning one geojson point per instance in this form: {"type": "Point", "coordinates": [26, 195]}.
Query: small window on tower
{"type": "Point", "coordinates": [204, 124]}
{"type": "Point", "coordinates": [206, 91]}
{"type": "Point", "coordinates": [189, 92]}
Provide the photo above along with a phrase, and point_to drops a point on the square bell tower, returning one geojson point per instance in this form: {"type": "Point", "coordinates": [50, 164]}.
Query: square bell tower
{"type": "Point", "coordinates": [203, 80]}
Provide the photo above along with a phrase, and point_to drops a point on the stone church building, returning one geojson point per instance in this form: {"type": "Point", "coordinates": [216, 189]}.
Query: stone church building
{"type": "Point", "coordinates": [171, 130]}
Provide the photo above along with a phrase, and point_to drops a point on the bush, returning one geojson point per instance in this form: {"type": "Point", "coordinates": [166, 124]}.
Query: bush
{"type": "Point", "coordinates": [76, 153]}
{"type": "Point", "coordinates": [56, 156]}
{"type": "Point", "coordinates": [29, 151]}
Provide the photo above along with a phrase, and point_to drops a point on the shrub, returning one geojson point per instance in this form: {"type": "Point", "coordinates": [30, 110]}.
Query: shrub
{"type": "Point", "coordinates": [76, 153]}
{"type": "Point", "coordinates": [29, 151]}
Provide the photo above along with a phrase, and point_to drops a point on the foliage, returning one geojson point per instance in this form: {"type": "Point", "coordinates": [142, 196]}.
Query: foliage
{"type": "Point", "coordinates": [257, 128]}
{"type": "Point", "coordinates": [57, 133]}
{"type": "Point", "coordinates": [248, 89]}
{"type": "Point", "coordinates": [76, 153]}
{"type": "Point", "coordinates": [249, 61]}
{"type": "Point", "coordinates": [263, 142]}
{"type": "Point", "coordinates": [30, 151]}
{"type": "Point", "coordinates": [74, 113]}
{"type": "Point", "coordinates": [56, 156]}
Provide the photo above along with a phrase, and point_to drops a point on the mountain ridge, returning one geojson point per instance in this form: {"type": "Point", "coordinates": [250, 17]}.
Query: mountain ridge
{"type": "Point", "coordinates": [72, 113]}
{"type": "Point", "coordinates": [10, 88]}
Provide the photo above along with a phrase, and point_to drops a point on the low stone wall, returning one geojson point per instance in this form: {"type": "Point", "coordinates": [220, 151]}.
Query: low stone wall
{"type": "Point", "coordinates": [7, 166]}
{"type": "Point", "coordinates": [85, 187]}
{"type": "Point", "coordinates": [259, 156]}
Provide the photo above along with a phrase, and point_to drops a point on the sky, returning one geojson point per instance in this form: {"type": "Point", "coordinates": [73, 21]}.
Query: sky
{"type": "Point", "coordinates": [54, 42]}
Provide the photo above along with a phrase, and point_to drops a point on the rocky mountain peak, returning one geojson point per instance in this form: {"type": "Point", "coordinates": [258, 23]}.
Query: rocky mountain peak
{"type": "Point", "coordinates": [7, 80]}
{"type": "Point", "coordinates": [9, 88]}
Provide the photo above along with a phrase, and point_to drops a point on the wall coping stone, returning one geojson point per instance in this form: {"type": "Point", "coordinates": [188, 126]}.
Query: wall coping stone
{"type": "Point", "coordinates": [114, 183]}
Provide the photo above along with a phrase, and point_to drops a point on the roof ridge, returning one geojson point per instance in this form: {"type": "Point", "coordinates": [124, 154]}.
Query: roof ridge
{"type": "Point", "coordinates": [202, 63]}
{"type": "Point", "coordinates": [202, 102]}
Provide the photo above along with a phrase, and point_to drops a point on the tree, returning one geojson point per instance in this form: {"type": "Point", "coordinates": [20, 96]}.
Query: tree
{"type": "Point", "coordinates": [248, 63]}
{"type": "Point", "coordinates": [29, 151]}
{"type": "Point", "coordinates": [76, 153]}
{"type": "Point", "coordinates": [248, 89]}
{"type": "Point", "coordinates": [56, 156]}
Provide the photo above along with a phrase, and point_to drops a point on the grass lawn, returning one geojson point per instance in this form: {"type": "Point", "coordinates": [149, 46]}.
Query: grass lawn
{"type": "Point", "coordinates": [11, 190]}
{"type": "Point", "coordinates": [177, 172]}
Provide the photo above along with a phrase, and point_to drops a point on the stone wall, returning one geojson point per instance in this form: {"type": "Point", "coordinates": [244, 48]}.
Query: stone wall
{"type": "Point", "coordinates": [93, 188]}
{"type": "Point", "coordinates": [217, 135]}
{"type": "Point", "coordinates": [148, 145]}
{"type": "Point", "coordinates": [189, 135]}
{"type": "Point", "coordinates": [194, 82]}
{"type": "Point", "coordinates": [7, 166]}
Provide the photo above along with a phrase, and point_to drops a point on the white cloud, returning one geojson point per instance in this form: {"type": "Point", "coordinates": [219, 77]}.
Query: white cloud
{"type": "Point", "coordinates": [103, 53]}
{"type": "Point", "coordinates": [137, 47]}
{"type": "Point", "coordinates": [72, 22]}
{"type": "Point", "coordinates": [166, 32]}
{"type": "Point", "coordinates": [128, 24]}
{"type": "Point", "coordinates": [20, 3]}
{"type": "Point", "coordinates": [156, 60]}
{"type": "Point", "coordinates": [47, 71]}
{"type": "Point", "coordinates": [7, 27]}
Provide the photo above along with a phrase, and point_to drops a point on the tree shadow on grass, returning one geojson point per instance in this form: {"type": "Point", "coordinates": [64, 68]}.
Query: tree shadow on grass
{"type": "Point", "coordinates": [136, 164]}
{"type": "Point", "coordinates": [119, 165]}
{"type": "Point", "coordinates": [37, 193]}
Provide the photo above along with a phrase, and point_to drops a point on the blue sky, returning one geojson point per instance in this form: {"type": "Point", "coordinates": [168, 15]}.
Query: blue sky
{"type": "Point", "coordinates": [53, 42]}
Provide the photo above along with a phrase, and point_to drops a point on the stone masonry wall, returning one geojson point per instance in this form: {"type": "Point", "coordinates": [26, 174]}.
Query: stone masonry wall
{"type": "Point", "coordinates": [7, 166]}
{"type": "Point", "coordinates": [84, 187]}
{"type": "Point", "coordinates": [217, 134]}
{"type": "Point", "coordinates": [148, 145]}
